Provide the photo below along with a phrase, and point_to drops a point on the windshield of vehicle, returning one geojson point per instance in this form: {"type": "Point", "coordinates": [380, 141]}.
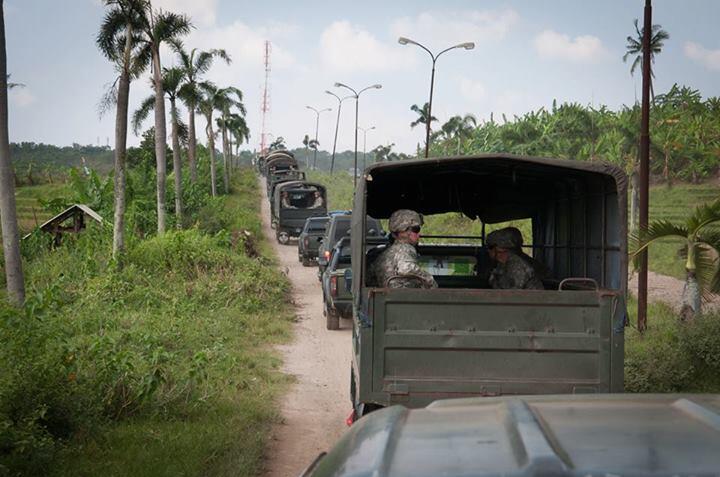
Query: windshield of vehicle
{"type": "Point", "coordinates": [315, 226]}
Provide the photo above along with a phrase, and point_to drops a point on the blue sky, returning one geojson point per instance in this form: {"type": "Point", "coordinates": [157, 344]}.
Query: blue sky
{"type": "Point", "coordinates": [527, 54]}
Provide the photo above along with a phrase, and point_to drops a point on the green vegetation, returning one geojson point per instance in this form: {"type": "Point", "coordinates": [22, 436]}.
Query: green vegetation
{"type": "Point", "coordinates": [672, 356]}
{"type": "Point", "coordinates": [30, 209]}
{"type": "Point", "coordinates": [161, 368]}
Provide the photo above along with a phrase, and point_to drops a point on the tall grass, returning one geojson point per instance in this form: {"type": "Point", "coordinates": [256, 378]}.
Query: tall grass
{"type": "Point", "coordinates": [161, 368]}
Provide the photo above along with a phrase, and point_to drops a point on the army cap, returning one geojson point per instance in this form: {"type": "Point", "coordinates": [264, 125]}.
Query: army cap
{"type": "Point", "coordinates": [403, 219]}
{"type": "Point", "coordinates": [509, 238]}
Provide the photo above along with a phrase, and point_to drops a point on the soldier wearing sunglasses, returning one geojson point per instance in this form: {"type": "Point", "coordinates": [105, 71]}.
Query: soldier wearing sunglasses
{"type": "Point", "coordinates": [397, 266]}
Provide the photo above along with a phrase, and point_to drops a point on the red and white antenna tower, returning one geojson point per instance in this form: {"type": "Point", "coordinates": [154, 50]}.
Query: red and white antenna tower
{"type": "Point", "coordinates": [265, 107]}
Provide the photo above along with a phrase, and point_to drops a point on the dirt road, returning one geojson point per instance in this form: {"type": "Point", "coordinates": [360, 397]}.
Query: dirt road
{"type": "Point", "coordinates": [315, 408]}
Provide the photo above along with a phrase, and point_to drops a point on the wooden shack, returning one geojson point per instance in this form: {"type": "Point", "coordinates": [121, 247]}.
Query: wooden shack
{"type": "Point", "coordinates": [71, 220]}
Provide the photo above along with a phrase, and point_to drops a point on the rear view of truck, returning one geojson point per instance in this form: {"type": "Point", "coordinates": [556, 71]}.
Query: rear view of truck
{"type": "Point", "coordinates": [413, 346]}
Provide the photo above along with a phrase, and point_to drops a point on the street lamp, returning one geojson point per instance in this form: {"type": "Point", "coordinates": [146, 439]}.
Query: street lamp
{"type": "Point", "coordinates": [337, 125]}
{"type": "Point", "coordinates": [407, 41]}
{"type": "Point", "coordinates": [317, 126]}
{"type": "Point", "coordinates": [356, 95]}
{"type": "Point", "coordinates": [365, 130]}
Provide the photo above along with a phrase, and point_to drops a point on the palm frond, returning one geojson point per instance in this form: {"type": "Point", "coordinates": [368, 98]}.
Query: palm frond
{"type": "Point", "coordinates": [142, 113]}
{"type": "Point", "coordinates": [657, 230]}
{"type": "Point", "coordinates": [169, 26]}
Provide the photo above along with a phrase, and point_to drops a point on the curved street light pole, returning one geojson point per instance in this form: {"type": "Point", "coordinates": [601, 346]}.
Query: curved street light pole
{"type": "Point", "coordinates": [365, 130]}
{"type": "Point", "coordinates": [406, 41]}
{"type": "Point", "coordinates": [317, 127]}
{"type": "Point", "coordinates": [356, 95]}
{"type": "Point", "coordinates": [337, 126]}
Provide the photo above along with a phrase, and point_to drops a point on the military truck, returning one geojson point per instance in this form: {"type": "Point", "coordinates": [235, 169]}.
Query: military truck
{"type": "Point", "coordinates": [337, 298]}
{"type": "Point", "coordinates": [413, 346]}
{"type": "Point", "coordinates": [292, 204]}
{"type": "Point", "coordinates": [629, 435]}
{"type": "Point", "coordinates": [309, 239]}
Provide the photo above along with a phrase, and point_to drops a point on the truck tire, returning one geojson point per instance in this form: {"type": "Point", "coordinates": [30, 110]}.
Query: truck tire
{"type": "Point", "coordinates": [282, 237]}
{"type": "Point", "coordinates": [332, 319]}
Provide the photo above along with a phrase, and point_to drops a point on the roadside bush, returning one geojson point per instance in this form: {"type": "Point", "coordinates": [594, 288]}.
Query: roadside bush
{"type": "Point", "coordinates": [672, 356]}
{"type": "Point", "coordinates": [177, 334]}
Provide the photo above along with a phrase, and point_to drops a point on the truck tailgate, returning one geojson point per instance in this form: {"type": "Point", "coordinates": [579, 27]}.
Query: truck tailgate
{"type": "Point", "coordinates": [430, 345]}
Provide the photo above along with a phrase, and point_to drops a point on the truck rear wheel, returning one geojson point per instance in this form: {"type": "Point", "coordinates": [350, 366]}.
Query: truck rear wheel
{"type": "Point", "coordinates": [332, 319]}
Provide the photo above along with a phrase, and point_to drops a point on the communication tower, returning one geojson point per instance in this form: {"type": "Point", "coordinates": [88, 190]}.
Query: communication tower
{"type": "Point", "coordinates": [265, 106]}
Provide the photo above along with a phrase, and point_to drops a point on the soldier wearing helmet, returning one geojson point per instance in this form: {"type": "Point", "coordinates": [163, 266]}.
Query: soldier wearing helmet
{"type": "Point", "coordinates": [511, 271]}
{"type": "Point", "coordinates": [397, 266]}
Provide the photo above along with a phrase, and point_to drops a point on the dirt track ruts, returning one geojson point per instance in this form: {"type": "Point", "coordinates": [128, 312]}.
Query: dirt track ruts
{"type": "Point", "coordinates": [314, 410]}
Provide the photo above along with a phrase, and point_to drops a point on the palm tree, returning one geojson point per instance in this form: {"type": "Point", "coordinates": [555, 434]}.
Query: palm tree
{"type": "Point", "coordinates": [701, 244]}
{"type": "Point", "coordinates": [423, 115]}
{"type": "Point", "coordinates": [194, 65]}
{"type": "Point", "coordinates": [8, 213]}
{"type": "Point", "coordinates": [226, 99]}
{"type": "Point", "coordinates": [634, 47]}
{"type": "Point", "coordinates": [160, 27]}
{"type": "Point", "coordinates": [171, 81]}
{"type": "Point", "coordinates": [277, 144]}
{"type": "Point", "coordinates": [118, 40]}
{"type": "Point", "coordinates": [314, 144]}
{"type": "Point", "coordinates": [306, 143]}
{"type": "Point", "coordinates": [206, 106]}
{"type": "Point", "coordinates": [239, 130]}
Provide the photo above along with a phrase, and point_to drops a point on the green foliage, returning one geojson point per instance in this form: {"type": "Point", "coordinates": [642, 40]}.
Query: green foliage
{"type": "Point", "coordinates": [672, 356]}
{"type": "Point", "coordinates": [173, 345]}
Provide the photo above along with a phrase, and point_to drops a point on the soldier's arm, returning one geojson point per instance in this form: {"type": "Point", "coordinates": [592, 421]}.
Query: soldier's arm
{"type": "Point", "coordinates": [408, 265]}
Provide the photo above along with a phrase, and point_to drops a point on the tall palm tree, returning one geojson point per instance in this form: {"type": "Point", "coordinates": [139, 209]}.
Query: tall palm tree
{"type": "Point", "coordinates": [119, 41]}
{"type": "Point", "coordinates": [206, 106]}
{"type": "Point", "coordinates": [306, 143]}
{"type": "Point", "coordinates": [237, 126]}
{"type": "Point", "coordinates": [634, 48]}
{"type": "Point", "coordinates": [8, 213]}
{"type": "Point", "coordinates": [226, 99]}
{"type": "Point", "coordinates": [422, 115]}
{"type": "Point", "coordinates": [160, 27]}
{"type": "Point", "coordinates": [171, 81]}
{"type": "Point", "coordinates": [701, 245]}
{"type": "Point", "coordinates": [194, 65]}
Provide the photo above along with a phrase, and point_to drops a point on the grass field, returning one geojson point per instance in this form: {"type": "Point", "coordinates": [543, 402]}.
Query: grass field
{"type": "Point", "coordinates": [29, 211]}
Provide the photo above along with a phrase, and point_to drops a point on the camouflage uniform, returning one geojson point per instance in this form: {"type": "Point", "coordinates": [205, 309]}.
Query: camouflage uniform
{"type": "Point", "coordinates": [516, 273]}
{"type": "Point", "coordinates": [401, 258]}
{"type": "Point", "coordinates": [541, 271]}
{"type": "Point", "coordinates": [318, 202]}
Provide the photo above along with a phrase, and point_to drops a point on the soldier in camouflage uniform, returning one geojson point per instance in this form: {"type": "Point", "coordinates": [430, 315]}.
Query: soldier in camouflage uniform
{"type": "Point", "coordinates": [541, 271]}
{"type": "Point", "coordinates": [401, 259]}
{"type": "Point", "coordinates": [511, 271]}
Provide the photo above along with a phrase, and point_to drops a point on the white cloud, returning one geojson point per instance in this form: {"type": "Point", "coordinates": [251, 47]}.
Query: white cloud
{"type": "Point", "coordinates": [202, 12]}
{"type": "Point", "coordinates": [347, 48]}
{"type": "Point", "coordinates": [472, 89]}
{"type": "Point", "coordinates": [708, 58]}
{"type": "Point", "coordinates": [437, 30]}
{"type": "Point", "coordinates": [22, 97]}
{"type": "Point", "coordinates": [582, 49]}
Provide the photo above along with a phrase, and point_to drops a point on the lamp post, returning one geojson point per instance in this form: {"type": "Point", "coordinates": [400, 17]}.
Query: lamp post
{"type": "Point", "coordinates": [317, 127]}
{"type": "Point", "coordinates": [337, 125]}
{"type": "Point", "coordinates": [365, 130]}
{"type": "Point", "coordinates": [405, 41]}
{"type": "Point", "coordinates": [356, 95]}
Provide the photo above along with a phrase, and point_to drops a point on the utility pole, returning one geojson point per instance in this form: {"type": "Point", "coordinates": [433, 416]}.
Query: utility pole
{"type": "Point", "coordinates": [644, 166]}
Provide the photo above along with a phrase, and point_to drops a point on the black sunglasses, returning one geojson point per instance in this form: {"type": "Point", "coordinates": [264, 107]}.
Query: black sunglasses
{"type": "Point", "coordinates": [414, 228]}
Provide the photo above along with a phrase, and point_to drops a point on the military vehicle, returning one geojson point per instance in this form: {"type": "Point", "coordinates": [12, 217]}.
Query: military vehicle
{"type": "Point", "coordinates": [282, 175]}
{"type": "Point", "coordinates": [309, 239]}
{"type": "Point", "coordinates": [292, 203]}
{"type": "Point", "coordinates": [413, 346]}
{"type": "Point", "coordinates": [279, 160]}
{"type": "Point", "coordinates": [337, 298]}
{"type": "Point", "coordinates": [337, 228]}
{"type": "Point", "coordinates": [618, 435]}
